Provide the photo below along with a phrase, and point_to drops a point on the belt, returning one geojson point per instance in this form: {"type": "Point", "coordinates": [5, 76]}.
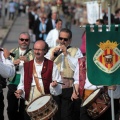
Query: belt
{"type": "Point", "coordinates": [68, 82]}
{"type": "Point", "coordinates": [67, 78]}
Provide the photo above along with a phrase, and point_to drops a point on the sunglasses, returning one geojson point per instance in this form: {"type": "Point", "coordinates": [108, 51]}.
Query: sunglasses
{"type": "Point", "coordinates": [22, 39]}
{"type": "Point", "coordinates": [65, 39]}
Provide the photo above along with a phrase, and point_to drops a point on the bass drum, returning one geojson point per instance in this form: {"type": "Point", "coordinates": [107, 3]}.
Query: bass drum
{"type": "Point", "coordinates": [97, 103]}
{"type": "Point", "coordinates": [42, 108]}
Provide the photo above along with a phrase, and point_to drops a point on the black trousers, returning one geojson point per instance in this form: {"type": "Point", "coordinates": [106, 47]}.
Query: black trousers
{"type": "Point", "coordinates": [67, 109]}
{"type": "Point", "coordinates": [14, 111]}
{"type": "Point", "coordinates": [105, 116]}
{"type": "Point", "coordinates": [1, 105]}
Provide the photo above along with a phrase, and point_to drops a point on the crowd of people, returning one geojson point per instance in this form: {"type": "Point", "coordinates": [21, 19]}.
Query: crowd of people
{"type": "Point", "coordinates": [53, 66]}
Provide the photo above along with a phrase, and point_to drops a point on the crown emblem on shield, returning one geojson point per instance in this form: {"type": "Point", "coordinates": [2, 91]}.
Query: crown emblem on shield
{"type": "Point", "coordinates": [107, 58]}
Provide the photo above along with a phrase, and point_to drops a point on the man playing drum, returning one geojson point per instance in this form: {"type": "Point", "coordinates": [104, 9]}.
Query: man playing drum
{"type": "Point", "coordinates": [96, 104]}
{"type": "Point", "coordinates": [65, 56]}
{"type": "Point", "coordinates": [38, 75]}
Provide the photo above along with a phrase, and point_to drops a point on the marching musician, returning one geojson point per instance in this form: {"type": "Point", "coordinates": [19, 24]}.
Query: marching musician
{"type": "Point", "coordinates": [65, 57]}
{"type": "Point", "coordinates": [7, 70]}
{"type": "Point", "coordinates": [38, 75]}
{"type": "Point", "coordinates": [83, 89]}
{"type": "Point", "coordinates": [21, 54]}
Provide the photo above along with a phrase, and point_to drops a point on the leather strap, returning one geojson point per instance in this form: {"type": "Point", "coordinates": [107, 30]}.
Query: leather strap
{"type": "Point", "coordinates": [36, 79]}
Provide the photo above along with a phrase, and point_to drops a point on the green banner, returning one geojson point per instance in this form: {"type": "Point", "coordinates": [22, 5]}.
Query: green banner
{"type": "Point", "coordinates": [103, 55]}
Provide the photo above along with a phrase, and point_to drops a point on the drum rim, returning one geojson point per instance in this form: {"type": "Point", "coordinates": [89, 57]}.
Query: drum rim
{"type": "Point", "coordinates": [41, 107]}
{"type": "Point", "coordinates": [100, 89]}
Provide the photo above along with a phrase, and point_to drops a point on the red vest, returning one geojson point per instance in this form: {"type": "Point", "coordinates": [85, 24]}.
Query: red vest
{"type": "Point", "coordinates": [82, 74]}
{"type": "Point", "coordinates": [46, 76]}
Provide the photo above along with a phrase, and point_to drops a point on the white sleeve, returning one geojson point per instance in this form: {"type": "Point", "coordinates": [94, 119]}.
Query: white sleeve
{"type": "Point", "coordinates": [56, 76]}
{"type": "Point", "coordinates": [7, 68]}
{"type": "Point", "coordinates": [49, 39]}
{"type": "Point", "coordinates": [76, 75]}
{"type": "Point", "coordinates": [116, 93]}
{"type": "Point", "coordinates": [73, 60]}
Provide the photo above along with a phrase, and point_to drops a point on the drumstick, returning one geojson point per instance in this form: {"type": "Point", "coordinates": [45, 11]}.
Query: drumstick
{"type": "Point", "coordinates": [76, 91]}
{"type": "Point", "coordinates": [53, 81]}
{"type": "Point", "coordinates": [18, 104]}
{"type": "Point", "coordinates": [60, 83]}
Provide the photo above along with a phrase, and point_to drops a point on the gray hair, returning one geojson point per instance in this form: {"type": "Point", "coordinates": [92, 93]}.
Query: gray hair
{"type": "Point", "coordinates": [25, 33]}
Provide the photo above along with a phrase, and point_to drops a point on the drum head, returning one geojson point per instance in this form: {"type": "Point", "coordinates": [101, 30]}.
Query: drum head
{"type": "Point", "coordinates": [90, 97]}
{"type": "Point", "coordinates": [38, 103]}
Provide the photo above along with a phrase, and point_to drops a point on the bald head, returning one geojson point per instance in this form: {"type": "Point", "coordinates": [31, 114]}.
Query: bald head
{"type": "Point", "coordinates": [42, 45]}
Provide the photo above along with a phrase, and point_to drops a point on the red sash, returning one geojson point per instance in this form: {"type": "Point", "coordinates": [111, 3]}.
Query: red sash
{"type": "Point", "coordinates": [82, 74]}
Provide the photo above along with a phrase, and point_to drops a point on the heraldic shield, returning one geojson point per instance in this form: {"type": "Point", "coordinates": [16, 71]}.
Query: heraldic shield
{"type": "Point", "coordinates": [103, 55]}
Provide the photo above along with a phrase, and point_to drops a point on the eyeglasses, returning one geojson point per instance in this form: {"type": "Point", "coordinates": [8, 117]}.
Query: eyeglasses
{"type": "Point", "coordinates": [65, 39]}
{"type": "Point", "coordinates": [22, 39]}
{"type": "Point", "coordinates": [38, 49]}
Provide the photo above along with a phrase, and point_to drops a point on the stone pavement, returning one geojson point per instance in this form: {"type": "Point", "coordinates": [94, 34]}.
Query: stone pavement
{"type": "Point", "coordinates": [4, 31]}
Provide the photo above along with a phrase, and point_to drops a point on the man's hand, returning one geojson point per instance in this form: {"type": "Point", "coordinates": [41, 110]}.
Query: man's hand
{"type": "Point", "coordinates": [74, 95]}
{"type": "Point", "coordinates": [55, 50]}
{"type": "Point", "coordinates": [54, 83]}
{"type": "Point", "coordinates": [63, 48]}
{"type": "Point", "coordinates": [16, 62]}
{"type": "Point", "coordinates": [112, 87]}
{"type": "Point", "coordinates": [18, 93]}
{"type": "Point", "coordinates": [6, 53]}
{"type": "Point", "coordinates": [23, 58]}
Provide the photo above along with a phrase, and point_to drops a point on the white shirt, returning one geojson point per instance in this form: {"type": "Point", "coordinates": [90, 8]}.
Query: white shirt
{"type": "Point", "coordinates": [52, 37]}
{"type": "Point", "coordinates": [21, 53]}
{"type": "Point", "coordinates": [55, 76]}
{"type": "Point", "coordinates": [88, 85]}
{"type": "Point", "coordinates": [7, 68]}
{"type": "Point", "coordinates": [72, 61]}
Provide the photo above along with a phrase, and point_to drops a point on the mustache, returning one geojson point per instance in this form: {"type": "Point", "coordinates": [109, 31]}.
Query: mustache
{"type": "Point", "coordinates": [37, 53]}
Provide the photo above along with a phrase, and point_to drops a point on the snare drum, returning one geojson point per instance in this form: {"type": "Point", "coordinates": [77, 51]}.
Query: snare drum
{"type": "Point", "coordinates": [42, 108]}
{"type": "Point", "coordinates": [97, 103]}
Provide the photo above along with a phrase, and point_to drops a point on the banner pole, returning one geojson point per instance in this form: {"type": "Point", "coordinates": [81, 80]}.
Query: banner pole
{"type": "Point", "coordinates": [109, 17]}
{"type": "Point", "coordinates": [99, 4]}
{"type": "Point", "coordinates": [112, 105]}
{"type": "Point", "coordinates": [112, 101]}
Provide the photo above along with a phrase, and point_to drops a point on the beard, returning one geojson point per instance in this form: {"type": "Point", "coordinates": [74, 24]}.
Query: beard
{"type": "Point", "coordinates": [24, 46]}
